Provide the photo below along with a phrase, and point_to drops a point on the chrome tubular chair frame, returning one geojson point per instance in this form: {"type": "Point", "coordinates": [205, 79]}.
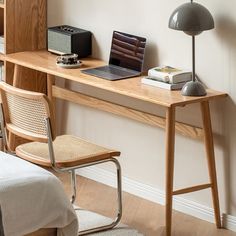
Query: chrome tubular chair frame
{"type": "Point", "coordinates": [73, 182]}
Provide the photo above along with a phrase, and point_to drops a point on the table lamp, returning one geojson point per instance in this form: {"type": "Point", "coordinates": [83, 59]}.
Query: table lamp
{"type": "Point", "coordinates": [192, 18]}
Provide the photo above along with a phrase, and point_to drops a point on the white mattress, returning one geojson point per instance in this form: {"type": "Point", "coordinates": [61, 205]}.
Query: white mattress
{"type": "Point", "coordinates": [32, 198]}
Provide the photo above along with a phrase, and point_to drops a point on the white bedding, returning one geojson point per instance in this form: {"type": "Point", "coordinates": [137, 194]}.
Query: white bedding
{"type": "Point", "coordinates": [32, 198]}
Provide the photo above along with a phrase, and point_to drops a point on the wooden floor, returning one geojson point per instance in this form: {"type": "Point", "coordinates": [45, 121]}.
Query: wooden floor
{"type": "Point", "coordinates": [143, 215]}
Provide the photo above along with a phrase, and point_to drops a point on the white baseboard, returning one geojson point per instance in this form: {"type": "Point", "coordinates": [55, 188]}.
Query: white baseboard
{"type": "Point", "coordinates": [155, 195]}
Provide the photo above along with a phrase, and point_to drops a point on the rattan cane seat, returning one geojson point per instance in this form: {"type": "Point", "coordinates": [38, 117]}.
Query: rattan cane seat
{"type": "Point", "coordinates": [69, 151]}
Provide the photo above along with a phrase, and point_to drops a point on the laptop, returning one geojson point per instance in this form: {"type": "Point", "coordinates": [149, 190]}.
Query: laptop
{"type": "Point", "coordinates": [126, 58]}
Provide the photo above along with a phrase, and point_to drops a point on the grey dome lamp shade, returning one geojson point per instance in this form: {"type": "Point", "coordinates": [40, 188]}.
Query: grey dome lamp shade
{"type": "Point", "coordinates": [192, 18]}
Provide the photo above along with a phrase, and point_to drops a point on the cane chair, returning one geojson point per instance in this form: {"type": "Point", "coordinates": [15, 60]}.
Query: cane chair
{"type": "Point", "coordinates": [30, 115]}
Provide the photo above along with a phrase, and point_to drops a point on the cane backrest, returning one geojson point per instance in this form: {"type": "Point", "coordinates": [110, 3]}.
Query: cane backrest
{"type": "Point", "coordinates": [25, 113]}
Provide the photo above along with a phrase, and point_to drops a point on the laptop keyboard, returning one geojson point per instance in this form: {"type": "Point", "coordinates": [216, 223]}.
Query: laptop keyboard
{"type": "Point", "coordinates": [110, 73]}
{"type": "Point", "coordinates": [112, 70]}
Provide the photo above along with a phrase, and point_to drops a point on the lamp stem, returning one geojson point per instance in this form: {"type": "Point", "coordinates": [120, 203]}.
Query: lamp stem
{"type": "Point", "coordinates": [193, 58]}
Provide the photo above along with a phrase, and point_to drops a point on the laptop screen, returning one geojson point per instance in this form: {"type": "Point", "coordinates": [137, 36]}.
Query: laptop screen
{"type": "Point", "coordinates": [127, 51]}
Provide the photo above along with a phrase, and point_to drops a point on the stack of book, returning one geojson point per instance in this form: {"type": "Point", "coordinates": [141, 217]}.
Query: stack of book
{"type": "Point", "coordinates": [167, 77]}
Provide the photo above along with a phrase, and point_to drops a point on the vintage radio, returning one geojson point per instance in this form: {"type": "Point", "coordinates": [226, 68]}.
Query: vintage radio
{"type": "Point", "coordinates": [66, 39]}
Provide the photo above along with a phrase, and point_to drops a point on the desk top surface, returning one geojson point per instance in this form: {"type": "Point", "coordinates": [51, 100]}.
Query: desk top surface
{"type": "Point", "coordinates": [132, 87]}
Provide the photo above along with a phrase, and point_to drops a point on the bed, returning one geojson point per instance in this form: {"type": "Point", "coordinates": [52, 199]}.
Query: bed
{"type": "Point", "coordinates": [33, 200]}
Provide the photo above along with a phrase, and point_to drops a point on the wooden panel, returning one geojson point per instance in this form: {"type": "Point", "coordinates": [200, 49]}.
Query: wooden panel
{"type": "Point", "coordinates": [9, 23]}
{"type": "Point", "coordinates": [25, 29]}
{"type": "Point", "coordinates": [26, 18]}
{"type": "Point", "coordinates": [1, 21]}
{"type": "Point", "coordinates": [184, 129]}
{"type": "Point", "coordinates": [40, 85]}
{"type": "Point", "coordinates": [32, 80]}
{"type": "Point", "coordinates": [133, 88]}
{"type": "Point", "coordinates": [42, 24]}
{"type": "Point", "coordinates": [29, 79]}
{"type": "Point", "coordinates": [25, 25]}
{"type": "Point", "coordinates": [9, 70]}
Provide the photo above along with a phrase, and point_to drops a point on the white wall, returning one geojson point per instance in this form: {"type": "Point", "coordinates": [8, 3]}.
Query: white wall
{"type": "Point", "coordinates": [141, 145]}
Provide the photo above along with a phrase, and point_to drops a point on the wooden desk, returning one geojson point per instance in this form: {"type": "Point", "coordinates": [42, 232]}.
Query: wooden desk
{"type": "Point", "coordinates": [132, 88]}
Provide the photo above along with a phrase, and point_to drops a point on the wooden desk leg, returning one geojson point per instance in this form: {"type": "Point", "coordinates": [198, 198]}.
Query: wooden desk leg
{"type": "Point", "coordinates": [209, 146]}
{"type": "Point", "coordinates": [170, 149]}
{"type": "Point", "coordinates": [17, 75]}
{"type": "Point", "coordinates": [50, 83]}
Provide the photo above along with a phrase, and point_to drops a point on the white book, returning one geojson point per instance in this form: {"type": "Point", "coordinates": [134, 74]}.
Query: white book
{"type": "Point", "coordinates": [160, 84]}
{"type": "Point", "coordinates": [170, 74]}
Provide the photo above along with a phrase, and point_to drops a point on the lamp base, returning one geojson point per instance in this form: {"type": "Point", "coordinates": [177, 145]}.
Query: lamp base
{"type": "Point", "coordinates": [193, 88]}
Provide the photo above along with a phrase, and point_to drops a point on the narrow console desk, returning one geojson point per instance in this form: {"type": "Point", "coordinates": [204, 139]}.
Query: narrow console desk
{"type": "Point", "coordinates": [132, 88]}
